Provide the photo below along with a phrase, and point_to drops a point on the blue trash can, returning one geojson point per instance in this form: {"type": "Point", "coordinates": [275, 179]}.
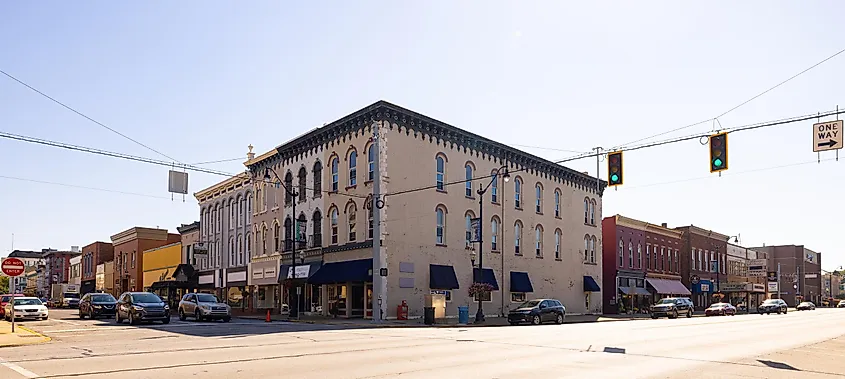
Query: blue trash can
{"type": "Point", "coordinates": [463, 315]}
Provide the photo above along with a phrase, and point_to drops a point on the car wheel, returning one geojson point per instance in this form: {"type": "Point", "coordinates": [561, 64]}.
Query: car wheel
{"type": "Point", "coordinates": [182, 316]}
{"type": "Point", "coordinates": [91, 314]}
{"type": "Point", "coordinates": [132, 320]}
{"type": "Point", "coordinates": [81, 315]}
{"type": "Point", "coordinates": [675, 314]}
{"type": "Point", "coordinates": [559, 319]}
{"type": "Point", "coordinates": [165, 321]}
{"type": "Point", "coordinates": [117, 318]}
{"type": "Point", "coordinates": [197, 315]}
{"type": "Point", "coordinates": [784, 311]}
{"type": "Point", "coordinates": [689, 313]}
{"type": "Point", "coordinates": [512, 323]}
{"type": "Point", "coordinates": [535, 320]}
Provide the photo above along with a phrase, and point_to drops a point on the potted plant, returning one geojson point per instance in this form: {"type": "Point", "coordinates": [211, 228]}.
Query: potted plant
{"type": "Point", "coordinates": [479, 289]}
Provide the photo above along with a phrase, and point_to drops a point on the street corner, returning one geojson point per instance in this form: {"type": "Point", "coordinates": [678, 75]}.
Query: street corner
{"type": "Point", "coordinates": [21, 336]}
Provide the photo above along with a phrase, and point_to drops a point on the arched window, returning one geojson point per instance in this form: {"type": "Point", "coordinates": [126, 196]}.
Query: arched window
{"type": "Point", "coordinates": [630, 254]}
{"type": "Point", "coordinates": [303, 174]}
{"type": "Point", "coordinates": [233, 214]}
{"type": "Point", "coordinates": [240, 259]}
{"type": "Point", "coordinates": [232, 251]}
{"type": "Point", "coordinates": [440, 176]}
{"type": "Point", "coordinates": [249, 209]}
{"type": "Point", "coordinates": [557, 203]}
{"type": "Point", "coordinates": [517, 237]}
{"type": "Point", "coordinates": [593, 249]}
{"type": "Point", "coordinates": [494, 234]}
{"type": "Point", "coordinates": [370, 223]}
{"type": "Point", "coordinates": [440, 228]}
{"type": "Point", "coordinates": [317, 224]}
{"type": "Point", "coordinates": [592, 212]}
{"type": "Point", "coordinates": [264, 240]}
{"type": "Point", "coordinates": [335, 167]}
{"type": "Point", "coordinates": [538, 241]}
{"type": "Point", "coordinates": [586, 248]}
{"type": "Point", "coordinates": [468, 185]}
{"type": "Point", "coordinates": [334, 226]}
{"type": "Point", "coordinates": [351, 214]}
{"type": "Point", "coordinates": [241, 205]}
{"type": "Point", "coordinates": [494, 188]}
{"type": "Point", "coordinates": [621, 250]}
{"type": "Point", "coordinates": [288, 188]}
{"type": "Point", "coordinates": [258, 194]}
{"type": "Point", "coordinates": [538, 201]}
{"type": "Point", "coordinates": [277, 235]}
{"type": "Point", "coordinates": [586, 210]}
{"type": "Point", "coordinates": [371, 162]}
{"type": "Point", "coordinates": [248, 240]}
{"type": "Point", "coordinates": [288, 235]}
{"type": "Point", "coordinates": [558, 235]}
{"type": "Point", "coordinates": [353, 168]}
{"type": "Point", "coordinates": [639, 256]}
{"type": "Point", "coordinates": [318, 179]}
{"type": "Point", "coordinates": [517, 193]}
{"type": "Point", "coordinates": [468, 221]}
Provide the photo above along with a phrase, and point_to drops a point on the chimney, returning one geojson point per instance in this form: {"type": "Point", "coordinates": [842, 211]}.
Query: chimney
{"type": "Point", "coordinates": [250, 155]}
{"type": "Point", "coordinates": [664, 225]}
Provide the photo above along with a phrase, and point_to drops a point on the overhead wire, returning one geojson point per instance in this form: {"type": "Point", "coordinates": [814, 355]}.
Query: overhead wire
{"type": "Point", "coordinates": [85, 116]}
{"type": "Point", "coordinates": [82, 187]}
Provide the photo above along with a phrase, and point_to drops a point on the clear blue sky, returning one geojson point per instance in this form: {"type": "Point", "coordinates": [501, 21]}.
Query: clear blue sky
{"type": "Point", "coordinates": [202, 80]}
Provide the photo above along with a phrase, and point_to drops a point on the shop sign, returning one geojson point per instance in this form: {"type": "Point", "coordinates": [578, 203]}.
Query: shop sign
{"type": "Point", "coordinates": [735, 287]}
{"type": "Point", "coordinates": [773, 287]}
{"type": "Point", "coordinates": [756, 287]}
{"type": "Point", "coordinates": [705, 287]}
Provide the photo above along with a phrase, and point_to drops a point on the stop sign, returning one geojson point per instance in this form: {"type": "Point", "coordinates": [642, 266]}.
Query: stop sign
{"type": "Point", "coordinates": [12, 266]}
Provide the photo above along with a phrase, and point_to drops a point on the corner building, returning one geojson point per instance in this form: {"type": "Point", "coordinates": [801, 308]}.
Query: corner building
{"type": "Point", "coordinates": [541, 229]}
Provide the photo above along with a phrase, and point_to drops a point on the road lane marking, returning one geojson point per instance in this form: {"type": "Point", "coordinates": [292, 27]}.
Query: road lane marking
{"type": "Point", "coordinates": [19, 369]}
{"type": "Point", "coordinates": [66, 322]}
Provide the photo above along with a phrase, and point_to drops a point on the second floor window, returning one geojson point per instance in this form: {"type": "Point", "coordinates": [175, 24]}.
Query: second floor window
{"type": "Point", "coordinates": [517, 193]}
{"type": "Point", "coordinates": [335, 164]}
{"type": "Point", "coordinates": [557, 244]}
{"type": "Point", "coordinates": [494, 189]}
{"type": "Point", "coordinates": [538, 202]}
{"type": "Point", "coordinates": [494, 235]}
{"type": "Point", "coordinates": [440, 175]}
{"type": "Point", "coordinates": [468, 189]}
{"type": "Point", "coordinates": [557, 203]}
{"type": "Point", "coordinates": [333, 222]}
{"type": "Point", "coordinates": [630, 255]}
{"type": "Point", "coordinates": [639, 256]}
{"type": "Point", "coordinates": [621, 253]}
{"type": "Point", "coordinates": [440, 228]}
{"type": "Point", "coordinates": [353, 168]}
{"type": "Point", "coordinates": [517, 237]}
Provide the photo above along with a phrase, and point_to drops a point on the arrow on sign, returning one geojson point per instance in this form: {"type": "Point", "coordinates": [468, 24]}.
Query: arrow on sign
{"type": "Point", "coordinates": [830, 143]}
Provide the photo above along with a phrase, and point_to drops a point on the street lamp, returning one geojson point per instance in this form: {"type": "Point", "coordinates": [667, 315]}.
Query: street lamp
{"type": "Point", "coordinates": [479, 315]}
{"type": "Point", "coordinates": [294, 310]}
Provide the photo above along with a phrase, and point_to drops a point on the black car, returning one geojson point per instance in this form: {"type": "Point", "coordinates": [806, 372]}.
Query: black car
{"type": "Point", "coordinates": [537, 312]}
{"type": "Point", "coordinates": [806, 306]}
{"type": "Point", "coordinates": [93, 305]}
{"type": "Point", "coordinates": [772, 306]}
{"type": "Point", "coordinates": [672, 307]}
{"type": "Point", "coordinates": [141, 306]}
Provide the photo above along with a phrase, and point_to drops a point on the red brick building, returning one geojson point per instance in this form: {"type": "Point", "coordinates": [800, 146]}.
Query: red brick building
{"type": "Point", "coordinates": [705, 267]}
{"type": "Point", "coordinates": [93, 255]}
{"type": "Point", "coordinates": [129, 246]}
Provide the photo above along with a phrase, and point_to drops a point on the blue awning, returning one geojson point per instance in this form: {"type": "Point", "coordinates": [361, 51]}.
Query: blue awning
{"type": "Point", "coordinates": [590, 284]}
{"type": "Point", "coordinates": [520, 282]}
{"type": "Point", "coordinates": [487, 276]}
{"type": "Point", "coordinates": [442, 277]}
{"type": "Point", "coordinates": [341, 272]}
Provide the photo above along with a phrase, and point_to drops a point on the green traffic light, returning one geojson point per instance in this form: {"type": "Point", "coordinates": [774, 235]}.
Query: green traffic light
{"type": "Point", "coordinates": [717, 162]}
{"type": "Point", "coordinates": [614, 178]}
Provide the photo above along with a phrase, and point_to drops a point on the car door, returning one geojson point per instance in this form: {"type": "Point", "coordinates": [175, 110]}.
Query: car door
{"type": "Point", "coordinates": [83, 304]}
{"type": "Point", "coordinates": [123, 305]}
{"type": "Point", "coordinates": [545, 310]}
{"type": "Point", "coordinates": [190, 304]}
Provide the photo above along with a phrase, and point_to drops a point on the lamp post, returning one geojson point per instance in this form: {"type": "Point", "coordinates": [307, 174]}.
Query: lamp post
{"type": "Point", "coordinates": [479, 315]}
{"type": "Point", "coordinates": [294, 310]}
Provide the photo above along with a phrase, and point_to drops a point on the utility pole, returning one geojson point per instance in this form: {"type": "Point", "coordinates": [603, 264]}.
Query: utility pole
{"type": "Point", "coordinates": [779, 280]}
{"type": "Point", "coordinates": [379, 305]}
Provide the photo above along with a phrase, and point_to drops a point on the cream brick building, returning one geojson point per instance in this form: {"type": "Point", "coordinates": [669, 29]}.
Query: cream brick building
{"type": "Point", "coordinates": [543, 224]}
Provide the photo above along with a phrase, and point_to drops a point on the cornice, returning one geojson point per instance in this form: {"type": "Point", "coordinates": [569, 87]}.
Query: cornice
{"type": "Point", "coordinates": [231, 184]}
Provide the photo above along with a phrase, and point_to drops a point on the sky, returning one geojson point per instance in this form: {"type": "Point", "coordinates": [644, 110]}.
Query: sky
{"type": "Point", "coordinates": [201, 80]}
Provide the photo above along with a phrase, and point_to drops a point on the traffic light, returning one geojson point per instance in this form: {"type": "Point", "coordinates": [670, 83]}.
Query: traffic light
{"type": "Point", "coordinates": [719, 152]}
{"type": "Point", "coordinates": [614, 168]}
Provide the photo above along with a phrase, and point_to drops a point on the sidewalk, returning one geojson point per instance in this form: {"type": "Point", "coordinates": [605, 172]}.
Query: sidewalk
{"type": "Point", "coordinates": [21, 336]}
{"type": "Point", "coordinates": [441, 323]}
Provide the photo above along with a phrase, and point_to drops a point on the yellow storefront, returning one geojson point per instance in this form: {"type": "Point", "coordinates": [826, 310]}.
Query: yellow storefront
{"type": "Point", "coordinates": [159, 265]}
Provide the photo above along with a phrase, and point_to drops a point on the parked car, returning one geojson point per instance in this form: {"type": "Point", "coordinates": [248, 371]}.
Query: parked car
{"type": "Point", "coordinates": [203, 306]}
{"type": "Point", "coordinates": [26, 307]}
{"type": "Point", "coordinates": [4, 299]}
{"type": "Point", "coordinates": [720, 309]}
{"type": "Point", "coordinates": [772, 306]}
{"type": "Point", "coordinates": [841, 304]}
{"type": "Point", "coordinates": [806, 306]}
{"type": "Point", "coordinates": [141, 306]}
{"type": "Point", "coordinates": [93, 305]}
{"type": "Point", "coordinates": [672, 307]}
{"type": "Point", "coordinates": [537, 312]}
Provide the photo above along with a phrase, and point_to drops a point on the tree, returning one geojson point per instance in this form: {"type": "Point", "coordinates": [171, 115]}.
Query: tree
{"type": "Point", "coordinates": [4, 284]}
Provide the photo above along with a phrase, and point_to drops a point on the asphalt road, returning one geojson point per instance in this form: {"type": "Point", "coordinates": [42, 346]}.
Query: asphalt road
{"type": "Point", "coordinates": [719, 347]}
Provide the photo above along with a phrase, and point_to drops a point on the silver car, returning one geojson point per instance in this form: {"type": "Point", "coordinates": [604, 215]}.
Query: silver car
{"type": "Point", "coordinates": [203, 306]}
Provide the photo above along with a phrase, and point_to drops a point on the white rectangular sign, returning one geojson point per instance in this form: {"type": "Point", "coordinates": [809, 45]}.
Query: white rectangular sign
{"type": "Point", "coordinates": [773, 287]}
{"type": "Point", "coordinates": [301, 271]}
{"type": "Point", "coordinates": [827, 136]}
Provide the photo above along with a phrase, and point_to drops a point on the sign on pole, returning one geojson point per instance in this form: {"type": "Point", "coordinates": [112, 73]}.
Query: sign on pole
{"type": "Point", "coordinates": [12, 267]}
{"type": "Point", "coordinates": [827, 136]}
{"type": "Point", "coordinates": [475, 227]}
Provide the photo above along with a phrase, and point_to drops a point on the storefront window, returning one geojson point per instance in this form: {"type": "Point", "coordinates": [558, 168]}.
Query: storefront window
{"type": "Point", "coordinates": [235, 297]}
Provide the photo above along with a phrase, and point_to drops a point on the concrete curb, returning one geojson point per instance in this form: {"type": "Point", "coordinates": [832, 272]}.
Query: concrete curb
{"type": "Point", "coordinates": [422, 325]}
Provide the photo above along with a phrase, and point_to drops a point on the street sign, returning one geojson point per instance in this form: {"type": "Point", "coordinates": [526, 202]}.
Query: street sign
{"type": "Point", "coordinates": [382, 271]}
{"type": "Point", "coordinates": [772, 276]}
{"type": "Point", "coordinates": [12, 266]}
{"type": "Point", "coordinates": [773, 287]}
{"type": "Point", "coordinates": [695, 279]}
{"type": "Point", "coordinates": [827, 136]}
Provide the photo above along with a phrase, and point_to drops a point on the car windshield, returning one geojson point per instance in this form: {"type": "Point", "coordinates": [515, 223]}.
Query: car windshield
{"type": "Point", "coordinates": [529, 304]}
{"type": "Point", "coordinates": [27, 302]}
{"type": "Point", "coordinates": [718, 305]}
{"type": "Point", "coordinates": [666, 301]}
{"type": "Point", "coordinates": [770, 302]}
{"type": "Point", "coordinates": [206, 298]}
{"type": "Point", "coordinates": [102, 297]}
{"type": "Point", "coordinates": [145, 298]}
{"type": "Point", "coordinates": [71, 295]}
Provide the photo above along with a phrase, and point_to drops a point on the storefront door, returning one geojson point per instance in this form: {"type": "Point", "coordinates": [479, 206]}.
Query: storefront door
{"type": "Point", "coordinates": [357, 300]}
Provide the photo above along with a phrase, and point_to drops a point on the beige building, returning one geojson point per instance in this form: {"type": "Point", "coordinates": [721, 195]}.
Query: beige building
{"type": "Point", "coordinates": [108, 278]}
{"type": "Point", "coordinates": [533, 226]}
{"type": "Point", "coordinates": [75, 271]}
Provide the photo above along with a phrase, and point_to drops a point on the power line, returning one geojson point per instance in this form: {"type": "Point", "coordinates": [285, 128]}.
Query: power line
{"type": "Point", "coordinates": [220, 161]}
{"type": "Point", "coordinates": [82, 187]}
{"type": "Point", "coordinates": [85, 116]}
{"type": "Point", "coordinates": [741, 104]}
{"type": "Point", "coordinates": [547, 148]}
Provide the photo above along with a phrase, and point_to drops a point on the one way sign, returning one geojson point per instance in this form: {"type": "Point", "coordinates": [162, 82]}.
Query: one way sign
{"type": "Point", "coordinates": [827, 136]}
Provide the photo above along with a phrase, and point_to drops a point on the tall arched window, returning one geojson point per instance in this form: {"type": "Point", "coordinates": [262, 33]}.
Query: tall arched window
{"type": "Point", "coordinates": [277, 235]}
{"type": "Point", "coordinates": [335, 167]}
{"type": "Point", "coordinates": [587, 248]}
{"type": "Point", "coordinates": [538, 241]}
{"type": "Point", "coordinates": [558, 235]}
{"type": "Point", "coordinates": [517, 193]}
{"type": "Point", "coordinates": [538, 201]}
{"type": "Point", "coordinates": [240, 249]}
{"type": "Point", "coordinates": [440, 228]}
{"type": "Point", "coordinates": [241, 205]}
{"type": "Point", "coordinates": [621, 250]}
{"type": "Point", "coordinates": [468, 185]}
{"type": "Point", "coordinates": [288, 235]}
{"type": "Point", "coordinates": [353, 168]}
{"type": "Point", "coordinates": [258, 194]}
{"type": "Point", "coordinates": [334, 226]}
{"type": "Point", "coordinates": [593, 241]}
{"type": "Point", "coordinates": [351, 215]}
{"type": "Point", "coordinates": [248, 240]}
{"type": "Point", "coordinates": [639, 256]}
{"type": "Point", "coordinates": [586, 210]}
{"type": "Point", "coordinates": [468, 222]}
{"type": "Point", "coordinates": [592, 212]}
{"type": "Point", "coordinates": [264, 240]}
{"type": "Point", "coordinates": [494, 234]}
{"type": "Point", "coordinates": [288, 188]}
{"type": "Point", "coordinates": [233, 214]}
{"type": "Point", "coordinates": [303, 175]}
{"type": "Point", "coordinates": [494, 188]}
{"type": "Point", "coordinates": [249, 209]}
{"type": "Point", "coordinates": [318, 179]}
{"type": "Point", "coordinates": [517, 237]}
{"type": "Point", "coordinates": [630, 254]}
{"type": "Point", "coordinates": [317, 224]}
{"type": "Point", "coordinates": [232, 251]}
{"type": "Point", "coordinates": [557, 203]}
{"type": "Point", "coordinates": [371, 162]}
{"type": "Point", "coordinates": [440, 175]}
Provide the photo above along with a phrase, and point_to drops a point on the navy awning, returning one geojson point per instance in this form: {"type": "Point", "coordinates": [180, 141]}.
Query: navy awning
{"type": "Point", "coordinates": [341, 272]}
{"type": "Point", "coordinates": [520, 282]}
{"type": "Point", "coordinates": [590, 284]}
{"type": "Point", "coordinates": [442, 277]}
{"type": "Point", "coordinates": [487, 276]}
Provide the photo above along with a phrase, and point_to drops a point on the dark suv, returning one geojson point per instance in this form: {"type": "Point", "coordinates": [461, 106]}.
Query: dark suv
{"type": "Point", "coordinates": [772, 306]}
{"type": "Point", "coordinates": [538, 311]}
{"type": "Point", "coordinates": [672, 307]}
{"type": "Point", "coordinates": [141, 306]}
{"type": "Point", "coordinates": [94, 305]}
